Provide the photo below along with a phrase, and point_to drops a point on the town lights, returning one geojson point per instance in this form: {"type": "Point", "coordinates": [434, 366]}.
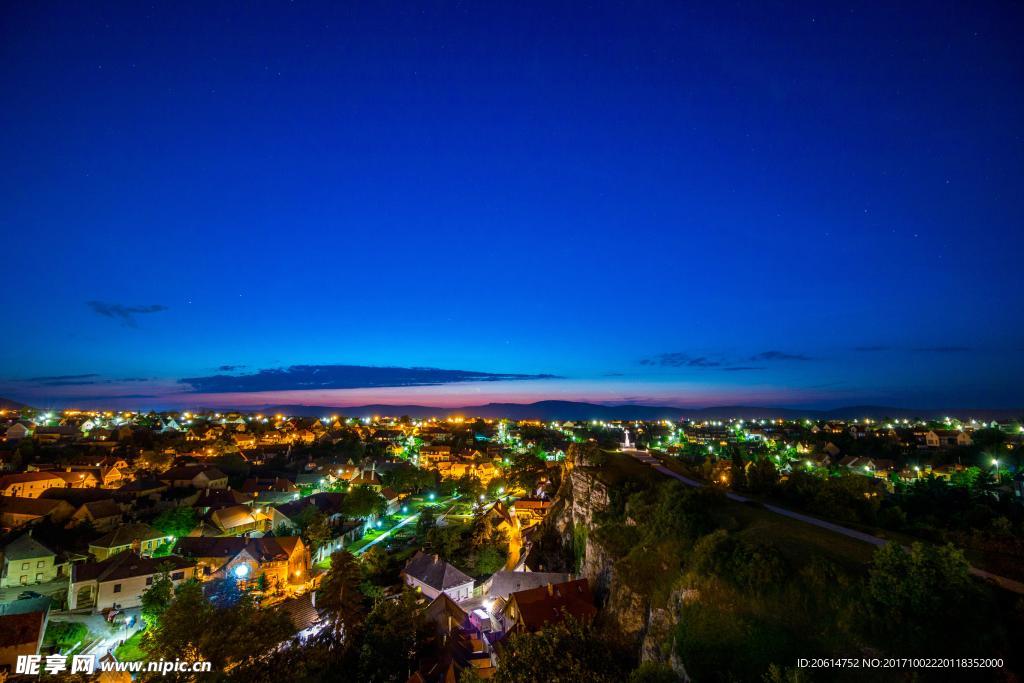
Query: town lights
{"type": "Point", "coordinates": [241, 571]}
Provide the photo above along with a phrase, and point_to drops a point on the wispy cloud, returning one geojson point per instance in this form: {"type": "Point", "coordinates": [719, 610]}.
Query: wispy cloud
{"type": "Point", "coordinates": [871, 348]}
{"type": "Point", "coordinates": [230, 368]}
{"type": "Point", "coordinates": [680, 360]}
{"type": "Point", "coordinates": [88, 379]}
{"type": "Point", "coordinates": [60, 378]}
{"type": "Point", "coordinates": [126, 314]}
{"type": "Point", "coordinates": [306, 377]}
{"type": "Point", "coordinates": [778, 355]}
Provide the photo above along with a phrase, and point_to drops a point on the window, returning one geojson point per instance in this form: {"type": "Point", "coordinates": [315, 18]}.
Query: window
{"type": "Point", "coordinates": [176, 576]}
{"type": "Point", "coordinates": [149, 580]}
{"type": "Point", "coordinates": [25, 565]}
{"type": "Point", "coordinates": [39, 578]}
{"type": "Point", "coordinates": [24, 580]}
{"type": "Point", "coordinates": [117, 588]}
{"type": "Point", "coordinates": [39, 564]}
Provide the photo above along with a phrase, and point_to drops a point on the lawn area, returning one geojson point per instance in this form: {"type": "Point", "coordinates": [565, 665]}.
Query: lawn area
{"type": "Point", "coordinates": [799, 541]}
{"type": "Point", "coordinates": [132, 650]}
{"type": "Point", "coordinates": [621, 467]}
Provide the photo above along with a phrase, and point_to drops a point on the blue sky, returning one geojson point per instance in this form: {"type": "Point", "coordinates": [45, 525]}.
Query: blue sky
{"type": "Point", "coordinates": [823, 203]}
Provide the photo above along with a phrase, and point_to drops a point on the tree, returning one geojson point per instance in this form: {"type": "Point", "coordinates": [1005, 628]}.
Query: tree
{"type": "Point", "coordinates": [175, 634]}
{"type": "Point", "coordinates": [155, 460]}
{"type": "Point", "coordinates": [177, 522]}
{"type": "Point", "coordinates": [340, 601]}
{"type": "Point", "coordinates": [923, 599]}
{"type": "Point", "coordinates": [192, 628]}
{"type": "Point", "coordinates": [762, 476]}
{"type": "Point", "coordinates": [569, 651]}
{"type": "Point", "coordinates": [363, 502]}
{"type": "Point", "coordinates": [389, 640]}
{"type": "Point", "coordinates": [157, 599]}
{"type": "Point", "coordinates": [375, 561]}
{"type": "Point", "coordinates": [427, 521]}
{"type": "Point", "coordinates": [652, 672]}
{"type": "Point", "coordinates": [318, 531]}
{"type": "Point", "coordinates": [408, 479]}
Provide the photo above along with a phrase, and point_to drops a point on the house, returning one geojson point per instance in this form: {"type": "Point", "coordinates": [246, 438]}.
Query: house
{"type": "Point", "coordinates": [216, 499]}
{"type": "Point", "coordinates": [244, 440]}
{"type": "Point", "coordinates": [530, 610]}
{"type": "Point", "coordinates": [279, 484]}
{"type": "Point", "coordinates": [368, 477]}
{"type": "Point", "coordinates": [22, 626]}
{"type": "Point", "coordinates": [29, 484]}
{"type": "Point", "coordinates": [444, 615]}
{"type": "Point", "coordinates": [139, 538]}
{"type": "Point", "coordinates": [433, 454]}
{"type": "Point", "coordinates": [104, 515]}
{"type": "Point", "coordinates": [503, 584]}
{"type": "Point", "coordinates": [55, 434]}
{"type": "Point", "coordinates": [236, 520]}
{"type": "Point", "coordinates": [18, 430]}
{"type": "Point", "coordinates": [393, 500]}
{"type": "Point", "coordinates": [78, 480]}
{"type": "Point", "coordinates": [947, 438]}
{"type": "Point", "coordinates": [196, 476]}
{"type": "Point", "coordinates": [27, 562]}
{"type": "Point", "coordinates": [121, 579]}
{"type": "Point", "coordinates": [502, 520]}
{"type": "Point", "coordinates": [16, 512]}
{"type": "Point", "coordinates": [432, 576]}
{"type": "Point", "coordinates": [302, 612]}
{"type": "Point", "coordinates": [327, 502]}
{"type": "Point", "coordinates": [281, 561]}
{"type": "Point", "coordinates": [143, 488]}
{"type": "Point", "coordinates": [531, 511]}
{"type": "Point", "coordinates": [209, 553]}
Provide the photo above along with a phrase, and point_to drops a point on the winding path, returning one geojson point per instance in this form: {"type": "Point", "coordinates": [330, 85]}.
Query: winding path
{"type": "Point", "coordinates": [645, 457]}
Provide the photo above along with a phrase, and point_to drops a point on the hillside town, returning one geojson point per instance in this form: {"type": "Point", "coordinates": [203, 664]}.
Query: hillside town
{"type": "Point", "coordinates": [111, 517]}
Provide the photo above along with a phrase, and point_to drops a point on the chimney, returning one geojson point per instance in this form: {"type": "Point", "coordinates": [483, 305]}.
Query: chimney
{"type": "Point", "coordinates": [551, 589]}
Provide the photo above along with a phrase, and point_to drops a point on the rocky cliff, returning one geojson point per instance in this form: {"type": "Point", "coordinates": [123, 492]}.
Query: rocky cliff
{"type": "Point", "coordinates": [584, 496]}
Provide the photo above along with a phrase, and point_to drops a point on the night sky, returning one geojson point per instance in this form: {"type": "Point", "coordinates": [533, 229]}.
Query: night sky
{"type": "Point", "coordinates": [784, 204]}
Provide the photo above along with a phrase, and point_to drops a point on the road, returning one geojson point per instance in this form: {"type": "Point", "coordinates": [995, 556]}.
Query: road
{"type": "Point", "coordinates": [407, 520]}
{"type": "Point", "coordinates": [1001, 581]}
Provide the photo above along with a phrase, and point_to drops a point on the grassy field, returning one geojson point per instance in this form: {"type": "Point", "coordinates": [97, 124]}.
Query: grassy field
{"type": "Point", "coordinates": [132, 650]}
{"type": "Point", "coordinates": [797, 540]}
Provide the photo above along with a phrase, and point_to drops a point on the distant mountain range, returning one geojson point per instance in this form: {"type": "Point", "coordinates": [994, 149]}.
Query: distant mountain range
{"type": "Point", "coordinates": [8, 404]}
{"type": "Point", "coordinates": [574, 410]}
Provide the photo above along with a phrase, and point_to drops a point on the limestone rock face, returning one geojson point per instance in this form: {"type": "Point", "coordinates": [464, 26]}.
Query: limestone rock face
{"type": "Point", "coordinates": [650, 629]}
